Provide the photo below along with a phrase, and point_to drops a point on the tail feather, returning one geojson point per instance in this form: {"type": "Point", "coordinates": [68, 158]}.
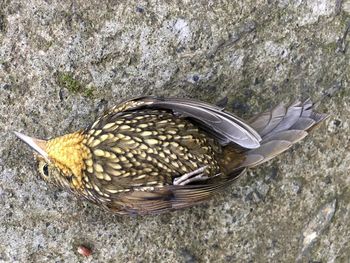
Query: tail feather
{"type": "Point", "coordinates": [303, 124]}
{"type": "Point", "coordinates": [267, 121]}
{"type": "Point", "coordinates": [292, 136]}
{"type": "Point", "coordinates": [280, 128]}
{"type": "Point", "coordinates": [293, 113]}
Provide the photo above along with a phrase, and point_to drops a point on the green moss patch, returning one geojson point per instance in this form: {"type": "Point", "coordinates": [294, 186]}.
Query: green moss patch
{"type": "Point", "coordinates": [67, 80]}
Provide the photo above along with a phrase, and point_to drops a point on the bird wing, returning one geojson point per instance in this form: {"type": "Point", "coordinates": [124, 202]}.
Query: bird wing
{"type": "Point", "coordinates": [169, 197]}
{"type": "Point", "coordinates": [225, 127]}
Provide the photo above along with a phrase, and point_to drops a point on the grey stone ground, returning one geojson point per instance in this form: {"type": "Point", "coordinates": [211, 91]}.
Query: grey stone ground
{"type": "Point", "coordinates": [62, 63]}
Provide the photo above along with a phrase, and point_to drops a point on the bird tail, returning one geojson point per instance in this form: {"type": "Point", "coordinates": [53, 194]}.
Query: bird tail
{"type": "Point", "coordinates": [280, 128]}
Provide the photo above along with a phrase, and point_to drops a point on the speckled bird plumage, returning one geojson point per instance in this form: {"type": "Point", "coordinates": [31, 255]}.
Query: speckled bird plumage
{"type": "Point", "coordinates": [150, 155]}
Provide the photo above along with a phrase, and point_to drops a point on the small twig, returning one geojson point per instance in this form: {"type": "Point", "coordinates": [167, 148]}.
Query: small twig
{"type": "Point", "coordinates": [342, 44]}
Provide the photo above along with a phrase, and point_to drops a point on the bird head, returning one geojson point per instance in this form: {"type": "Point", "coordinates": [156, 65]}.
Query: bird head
{"type": "Point", "coordinates": [60, 160]}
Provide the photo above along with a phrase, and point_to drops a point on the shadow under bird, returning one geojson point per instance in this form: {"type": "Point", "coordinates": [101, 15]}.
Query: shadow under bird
{"type": "Point", "coordinates": [150, 155]}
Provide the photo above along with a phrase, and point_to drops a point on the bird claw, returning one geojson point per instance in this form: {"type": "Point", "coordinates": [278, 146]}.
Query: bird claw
{"type": "Point", "coordinates": [194, 176]}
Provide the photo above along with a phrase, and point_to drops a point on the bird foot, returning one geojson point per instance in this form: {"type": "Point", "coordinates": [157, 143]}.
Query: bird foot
{"type": "Point", "coordinates": [194, 176]}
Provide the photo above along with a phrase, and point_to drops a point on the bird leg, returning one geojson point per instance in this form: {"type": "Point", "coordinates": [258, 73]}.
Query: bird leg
{"type": "Point", "coordinates": [194, 176]}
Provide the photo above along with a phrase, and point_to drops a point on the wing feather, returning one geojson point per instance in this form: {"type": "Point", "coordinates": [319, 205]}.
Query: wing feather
{"type": "Point", "coordinates": [225, 127]}
{"type": "Point", "coordinates": [170, 197]}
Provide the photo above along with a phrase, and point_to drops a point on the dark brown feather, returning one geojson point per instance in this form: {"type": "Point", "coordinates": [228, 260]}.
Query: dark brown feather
{"type": "Point", "coordinates": [170, 197]}
{"type": "Point", "coordinates": [142, 147]}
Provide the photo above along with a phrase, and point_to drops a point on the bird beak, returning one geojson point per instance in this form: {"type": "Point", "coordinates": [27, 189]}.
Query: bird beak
{"type": "Point", "coordinates": [37, 145]}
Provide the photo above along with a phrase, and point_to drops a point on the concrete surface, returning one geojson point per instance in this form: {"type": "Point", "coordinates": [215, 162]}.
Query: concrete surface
{"type": "Point", "coordinates": [62, 63]}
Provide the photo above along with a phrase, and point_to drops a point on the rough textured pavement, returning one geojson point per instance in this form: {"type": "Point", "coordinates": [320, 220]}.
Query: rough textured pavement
{"type": "Point", "coordinates": [62, 63]}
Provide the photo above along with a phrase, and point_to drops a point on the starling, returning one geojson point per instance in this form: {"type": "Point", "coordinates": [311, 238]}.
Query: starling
{"type": "Point", "coordinates": [150, 155]}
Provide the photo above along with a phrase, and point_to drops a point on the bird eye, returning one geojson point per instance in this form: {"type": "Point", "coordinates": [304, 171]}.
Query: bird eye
{"type": "Point", "coordinates": [46, 170]}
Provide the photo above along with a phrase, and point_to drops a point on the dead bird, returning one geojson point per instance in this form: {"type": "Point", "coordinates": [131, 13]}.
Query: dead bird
{"type": "Point", "coordinates": [150, 155]}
